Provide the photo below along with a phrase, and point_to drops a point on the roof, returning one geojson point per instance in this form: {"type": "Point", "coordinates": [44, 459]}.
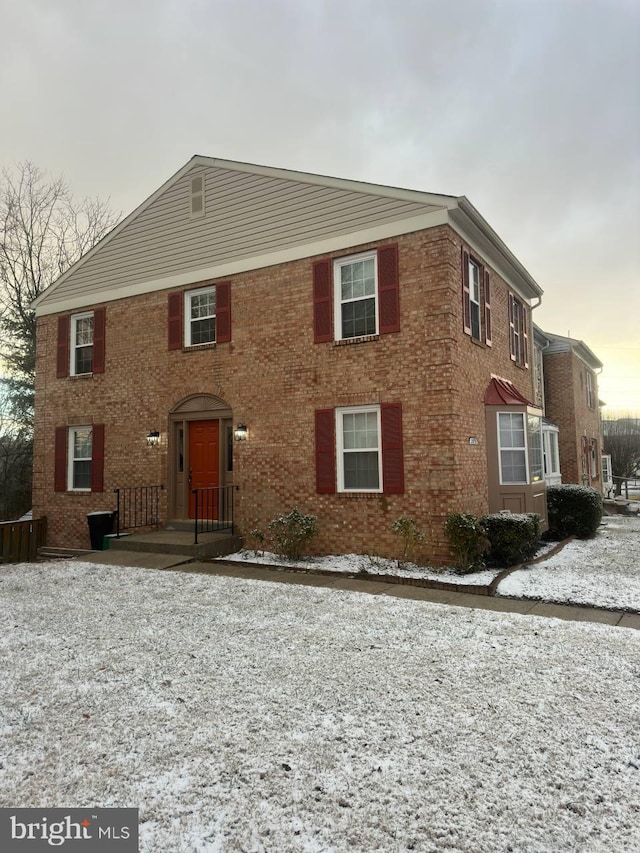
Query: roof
{"type": "Point", "coordinates": [259, 216]}
{"type": "Point", "coordinates": [551, 343]}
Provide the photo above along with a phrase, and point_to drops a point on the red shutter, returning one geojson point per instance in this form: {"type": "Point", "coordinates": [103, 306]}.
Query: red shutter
{"type": "Point", "coordinates": [99, 323]}
{"type": "Point", "coordinates": [97, 458]}
{"type": "Point", "coordinates": [62, 365]}
{"type": "Point", "coordinates": [223, 312]}
{"type": "Point", "coordinates": [512, 331]}
{"type": "Point", "coordinates": [322, 301]}
{"type": "Point", "coordinates": [466, 297]}
{"type": "Point", "coordinates": [60, 460]}
{"type": "Point", "coordinates": [392, 450]}
{"type": "Point", "coordinates": [325, 452]}
{"type": "Point", "coordinates": [388, 289]}
{"type": "Point", "coordinates": [487, 309]}
{"type": "Point", "coordinates": [175, 320]}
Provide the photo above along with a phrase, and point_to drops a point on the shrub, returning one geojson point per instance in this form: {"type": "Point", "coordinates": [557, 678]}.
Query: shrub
{"type": "Point", "coordinates": [291, 534]}
{"type": "Point", "coordinates": [467, 539]}
{"type": "Point", "coordinates": [573, 511]}
{"type": "Point", "coordinates": [513, 537]}
{"type": "Point", "coordinates": [407, 531]}
{"type": "Point", "coordinates": [255, 540]}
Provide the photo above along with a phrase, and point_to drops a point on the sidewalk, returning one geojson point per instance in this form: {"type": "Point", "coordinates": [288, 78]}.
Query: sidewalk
{"type": "Point", "coordinates": [528, 607]}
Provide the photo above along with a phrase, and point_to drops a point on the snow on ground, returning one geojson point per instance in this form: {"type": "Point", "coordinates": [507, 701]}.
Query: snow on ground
{"type": "Point", "coordinates": [245, 715]}
{"type": "Point", "coordinates": [354, 564]}
{"type": "Point", "coordinates": [604, 571]}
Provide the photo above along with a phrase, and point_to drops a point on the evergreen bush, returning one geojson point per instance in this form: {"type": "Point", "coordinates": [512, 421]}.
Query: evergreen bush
{"type": "Point", "coordinates": [573, 511]}
{"type": "Point", "coordinates": [513, 537]}
{"type": "Point", "coordinates": [468, 540]}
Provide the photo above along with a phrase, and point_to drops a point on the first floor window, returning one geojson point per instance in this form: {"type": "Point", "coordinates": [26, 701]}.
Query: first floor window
{"type": "Point", "coordinates": [356, 294]}
{"type": "Point", "coordinates": [359, 451]}
{"type": "Point", "coordinates": [79, 456]}
{"type": "Point", "coordinates": [200, 314]}
{"type": "Point", "coordinates": [606, 468]}
{"type": "Point", "coordinates": [81, 343]}
{"type": "Point", "coordinates": [551, 459]}
{"type": "Point", "coordinates": [593, 453]}
{"type": "Point", "coordinates": [535, 447]}
{"type": "Point", "coordinates": [512, 444]}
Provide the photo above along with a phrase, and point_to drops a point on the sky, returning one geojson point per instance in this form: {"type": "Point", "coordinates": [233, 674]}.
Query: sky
{"type": "Point", "coordinates": [530, 108]}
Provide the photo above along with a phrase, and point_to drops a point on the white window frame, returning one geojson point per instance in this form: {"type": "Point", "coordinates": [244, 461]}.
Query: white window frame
{"type": "Point", "coordinates": [337, 293]}
{"type": "Point", "coordinates": [354, 410]}
{"type": "Point", "coordinates": [518, 311]}
{"type": "Point", "coordinates": [71, 459]}
{"type": "Point", "coordinates": [524, 449]}
{"type": "Point", "coordinates": [73, 335]}
{"type": "Point", "coordinates": [474, 301]}
{"type": "Point", "coordinates": [188, 296]}
{"type": "Point", "coordinates": [593, 458]}
{"type": "Point", "coordinates": [551, 452]}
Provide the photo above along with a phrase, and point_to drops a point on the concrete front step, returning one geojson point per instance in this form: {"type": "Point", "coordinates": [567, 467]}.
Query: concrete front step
{"type": "Point", "coordinates": [179, 542]}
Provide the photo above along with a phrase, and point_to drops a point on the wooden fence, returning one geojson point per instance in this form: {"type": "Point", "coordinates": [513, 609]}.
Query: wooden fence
{"type": "Point", "coordinates": [20, 540]}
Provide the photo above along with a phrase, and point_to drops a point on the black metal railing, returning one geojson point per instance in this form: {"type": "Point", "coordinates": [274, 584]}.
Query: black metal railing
{"type": "Point", "coordinates": [213, 509]}
{"type": "Point", "coordinates": [137, 506]}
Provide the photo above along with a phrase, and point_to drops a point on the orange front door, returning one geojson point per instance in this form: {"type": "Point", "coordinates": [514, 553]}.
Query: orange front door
{"type": "Point", "coordinates": [204, 465]}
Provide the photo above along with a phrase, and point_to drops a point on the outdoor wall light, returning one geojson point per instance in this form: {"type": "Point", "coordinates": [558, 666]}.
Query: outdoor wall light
{"type": "Point", "coordinates": [153, 439]}
{"type": "Point", "coordinates": [240, 432]}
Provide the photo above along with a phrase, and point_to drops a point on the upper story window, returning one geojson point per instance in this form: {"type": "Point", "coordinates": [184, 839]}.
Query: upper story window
{"type": "Point", "coordinates": [518, 337]}
{"type": "Point", "coordinates": [356, 296]}
{"type": "Point", "coordinates": [591, 399]}
{"type": "Point", "coordinates": [200, 316]}
{"type": "Point", "coordinates": [476, 299]}
{"type": "Point", "coordinates": [81, 344]}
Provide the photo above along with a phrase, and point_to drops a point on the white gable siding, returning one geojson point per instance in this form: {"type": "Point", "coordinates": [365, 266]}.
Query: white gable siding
{"type": "Point", "coordinates": [247, 215]}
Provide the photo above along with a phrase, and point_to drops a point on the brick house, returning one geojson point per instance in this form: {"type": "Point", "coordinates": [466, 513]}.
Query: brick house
{"type": "Point", "coordinates": [370, 344]}
{"type": "Point", "coordinates": [566, 386]}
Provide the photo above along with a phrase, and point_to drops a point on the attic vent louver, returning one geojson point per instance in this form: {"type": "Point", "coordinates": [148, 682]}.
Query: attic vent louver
{"type": "Point", "coordinates": [197, 196]}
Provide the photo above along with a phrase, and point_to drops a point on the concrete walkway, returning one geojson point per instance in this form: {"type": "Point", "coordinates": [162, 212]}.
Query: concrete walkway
{"type": "Point", "coordinates": [571, 612]}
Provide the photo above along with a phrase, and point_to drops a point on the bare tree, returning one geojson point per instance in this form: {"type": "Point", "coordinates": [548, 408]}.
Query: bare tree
{"type": "Point", "coordinates": [622, 440]}
{"type": "Point", "coordinates": [15, 465]}
{"type": "Point", "coordinates": [43, 230]}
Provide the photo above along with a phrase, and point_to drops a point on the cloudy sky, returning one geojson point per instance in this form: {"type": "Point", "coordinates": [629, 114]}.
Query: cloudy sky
{"type": "Point", "coordinates": [530, 108]}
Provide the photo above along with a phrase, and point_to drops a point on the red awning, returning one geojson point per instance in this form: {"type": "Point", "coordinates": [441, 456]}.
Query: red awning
{"type": "Point", "coordinates": [501, 392]}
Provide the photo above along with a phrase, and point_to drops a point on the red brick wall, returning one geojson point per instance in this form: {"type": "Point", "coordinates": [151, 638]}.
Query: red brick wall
{"type": "Point", "coordinates": [274, 377]}
{"type": "Point", "coordinates": [566, 405]}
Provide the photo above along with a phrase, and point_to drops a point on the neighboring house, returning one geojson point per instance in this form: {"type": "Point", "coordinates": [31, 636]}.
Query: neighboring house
{"type": "Point", "coordinates": [370, 344]}
{"type": "Point", "coordinates": [566, 385]}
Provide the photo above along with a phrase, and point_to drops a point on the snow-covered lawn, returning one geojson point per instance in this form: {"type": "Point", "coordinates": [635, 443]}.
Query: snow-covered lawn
{"type": "Point", "coordinates": [604, 571]}
{"type": "Point", "coordinates": [244, 715]}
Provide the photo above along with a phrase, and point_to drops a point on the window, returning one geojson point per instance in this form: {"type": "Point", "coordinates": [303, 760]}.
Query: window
{"type": "Point", "coordinates": [534, 423]}
{"type": "Point", "coordinates": [512, 445]}
{"type": "Point", "coordinates": [359, 451]}
{"type": "Point", "coordinates": [474, 298]}
{"type": "Point", "coordinates": [590, 393]}
{"type": "Point", "coordinates": [356, 295]}
{"type": "Point", "coordinates": [593, 454]}
{"type": "Point", "coordinates": [81, 344]}
{"type": "Point", "coordinates": [200, 314]}
{"type": "Point", "coordinates": [518, 338]}
{"type": "Point", "coordinates": [606, 468]}
{"type": "Point", "coordinates": [79, 458]}
{"type": "Point", "coordinates": [551, 458]}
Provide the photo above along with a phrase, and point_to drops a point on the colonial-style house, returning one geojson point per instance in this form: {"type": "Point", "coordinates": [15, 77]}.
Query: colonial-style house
{"type": "Point", "coordinates": [361, 352]}
{"type": "Point", "coordinates": [566, 386]}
